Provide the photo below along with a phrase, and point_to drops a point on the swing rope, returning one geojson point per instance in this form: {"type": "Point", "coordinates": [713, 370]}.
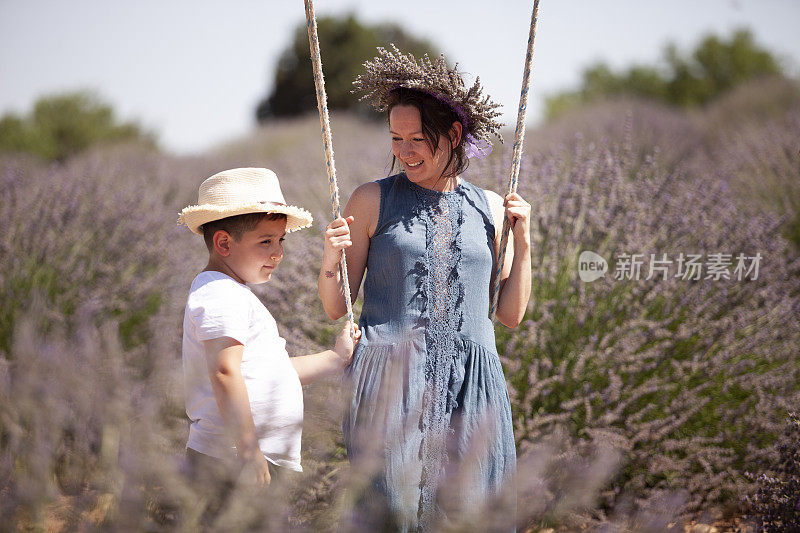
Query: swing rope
{"type": "Point", "coordinates": [519, 137]}
{"type": "Point", "coordinates": [327, 141]}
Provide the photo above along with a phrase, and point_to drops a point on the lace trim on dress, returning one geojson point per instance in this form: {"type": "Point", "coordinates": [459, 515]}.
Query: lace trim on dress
{"type": "Point", "coordinates": [444, 295]}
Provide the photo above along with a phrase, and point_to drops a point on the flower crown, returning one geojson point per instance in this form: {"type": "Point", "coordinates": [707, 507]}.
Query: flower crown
{"type": "Point", "coordinates": [390, 70]}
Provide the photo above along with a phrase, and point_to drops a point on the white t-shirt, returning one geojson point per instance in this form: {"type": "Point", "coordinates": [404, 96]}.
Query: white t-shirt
{"type": "Point", "coordinates": [219, 306]}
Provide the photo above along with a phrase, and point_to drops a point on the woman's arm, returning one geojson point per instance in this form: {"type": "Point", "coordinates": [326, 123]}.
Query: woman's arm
{"type": "Point", "coordinates": [351, 233]}
{"type": "Point", "coordinates": [515, 280]}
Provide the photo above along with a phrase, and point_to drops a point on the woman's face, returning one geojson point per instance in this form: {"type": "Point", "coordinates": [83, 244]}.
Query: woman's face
{"type": "Point", "coordinates": [409, 146]}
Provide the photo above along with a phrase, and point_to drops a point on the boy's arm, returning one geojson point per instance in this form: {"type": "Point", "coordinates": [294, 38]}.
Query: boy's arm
{"type": "Point", "coordinates": [312, 367]}
{"type": "Point", "coordinates": [224, 360]}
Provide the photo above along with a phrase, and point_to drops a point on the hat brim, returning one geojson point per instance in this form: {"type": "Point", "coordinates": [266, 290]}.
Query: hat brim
{"type": "Point", "coordinates": [195, 216]}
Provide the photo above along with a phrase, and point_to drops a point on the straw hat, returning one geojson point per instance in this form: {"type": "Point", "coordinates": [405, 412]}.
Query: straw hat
{"type": "Point", "coordinates": [240, 191]}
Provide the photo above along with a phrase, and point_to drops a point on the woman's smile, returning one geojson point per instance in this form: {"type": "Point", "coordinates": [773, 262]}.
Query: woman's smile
{"type": "Point", "coordinates": [423, 166]}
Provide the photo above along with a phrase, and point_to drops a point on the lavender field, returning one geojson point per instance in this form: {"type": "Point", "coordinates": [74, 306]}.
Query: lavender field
{"type": "Point", "coordinates": [639, 404]}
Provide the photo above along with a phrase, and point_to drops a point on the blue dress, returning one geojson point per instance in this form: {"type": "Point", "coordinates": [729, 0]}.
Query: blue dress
{"type": "Point", "coordinates": [428, 425]}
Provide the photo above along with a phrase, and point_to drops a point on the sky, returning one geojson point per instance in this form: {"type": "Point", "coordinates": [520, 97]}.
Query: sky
{"type": "Point", "coordinates": [193, 71]}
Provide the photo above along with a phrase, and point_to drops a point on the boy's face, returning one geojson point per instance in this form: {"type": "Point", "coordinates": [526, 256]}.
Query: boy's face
{"type": "Point", "coordinates": [257, 254]}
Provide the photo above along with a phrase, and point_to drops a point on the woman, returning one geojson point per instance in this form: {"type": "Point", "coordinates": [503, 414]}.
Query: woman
{"type": "Point", "coordinates": [428, 420]}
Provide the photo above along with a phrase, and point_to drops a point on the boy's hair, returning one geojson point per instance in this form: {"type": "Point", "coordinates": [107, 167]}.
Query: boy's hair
{"type": "Point", "coordinates": [236, 225]}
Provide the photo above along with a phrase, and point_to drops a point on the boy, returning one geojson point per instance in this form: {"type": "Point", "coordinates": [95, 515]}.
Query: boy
{"type": "Point", "coordinates": [243, 392]}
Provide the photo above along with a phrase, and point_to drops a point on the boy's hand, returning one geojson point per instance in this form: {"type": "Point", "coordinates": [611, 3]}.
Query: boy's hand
{"type": "Point", "coordinates": [346, 342]}
{"type": "Point", "coordinates": [256, 470]}
{"type": "Point", "coordinates": [337, 238]}
{"type": "Point", "coordinates": [311, 367]}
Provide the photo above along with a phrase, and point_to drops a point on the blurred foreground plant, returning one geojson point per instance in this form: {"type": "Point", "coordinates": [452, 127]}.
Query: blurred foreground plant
{"type": "Point", "coordinates": [775, 506]}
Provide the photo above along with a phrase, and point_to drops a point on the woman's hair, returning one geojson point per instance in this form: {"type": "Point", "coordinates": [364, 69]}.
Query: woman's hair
{"type": "Point", "coordinates": [437, 121]}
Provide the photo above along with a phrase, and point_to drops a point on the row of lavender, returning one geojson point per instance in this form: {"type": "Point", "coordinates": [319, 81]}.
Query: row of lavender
{"type": "Point", "coordinates": [688, 379]}
{"type": "Point", "coordinates": [635, 401]}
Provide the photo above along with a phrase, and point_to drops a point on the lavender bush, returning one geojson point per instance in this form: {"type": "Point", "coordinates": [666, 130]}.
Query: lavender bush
{"type": "Point", "coordinates": [689, 379]}
{"type": "Point", "coordinates": [638, 404]}
{"type": "Point", "coordinates": [776, 504]}
{"type": "Point", "coordinates": [751, 139]}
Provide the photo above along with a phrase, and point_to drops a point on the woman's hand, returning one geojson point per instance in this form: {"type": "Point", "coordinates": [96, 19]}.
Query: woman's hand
{"type": "Point", "coordinates": [515, 280]}
{"type": "Point", "coordinates": [346, 342]}
{"type": "Point", "coordinates": [337, 238]}
{"type": "Point", "coordinates": [518, 212]}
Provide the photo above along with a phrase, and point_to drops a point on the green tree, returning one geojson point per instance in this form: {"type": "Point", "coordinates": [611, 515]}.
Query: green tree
{"type": "Point", "coordinates": [64, 124]}
{"type": "Point", "coordinates": [345, 44]}
{"type": "Point", "coordinates": [599, 81]}
{"type": "Point", "coordinates": [714, 67]}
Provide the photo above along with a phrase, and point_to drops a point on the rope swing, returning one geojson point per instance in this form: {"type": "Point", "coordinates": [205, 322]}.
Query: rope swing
{"type": "Point", "coordinates": [322, 106]}
{"type": "Point", "coordinates": [519, 137]}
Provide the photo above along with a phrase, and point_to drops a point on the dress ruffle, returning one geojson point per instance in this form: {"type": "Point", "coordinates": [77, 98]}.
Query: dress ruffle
{"type": "Point", "coordinates": [385, 434]}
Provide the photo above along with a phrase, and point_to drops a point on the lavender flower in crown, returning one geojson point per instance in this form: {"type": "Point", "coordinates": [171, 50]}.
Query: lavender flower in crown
{"type": "Point", "coordinates": [479, 148]}
{"type": "Point", "coordinates": [392, 69]}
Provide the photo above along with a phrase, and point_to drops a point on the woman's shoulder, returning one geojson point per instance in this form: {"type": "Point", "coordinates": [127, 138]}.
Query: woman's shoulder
{"type": "Point", "coordinates": [366, 193]}
{"type": "Point", "coordinates": [494, 202]}
{"type": "Point", "coordinates": [369, 200]}
{"type": "Point", "coordinates": [364, 204]}
{"type": "Point", "coordinates": [492, 197]}
{"type": "Point", "coordinates": [369, 194]}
